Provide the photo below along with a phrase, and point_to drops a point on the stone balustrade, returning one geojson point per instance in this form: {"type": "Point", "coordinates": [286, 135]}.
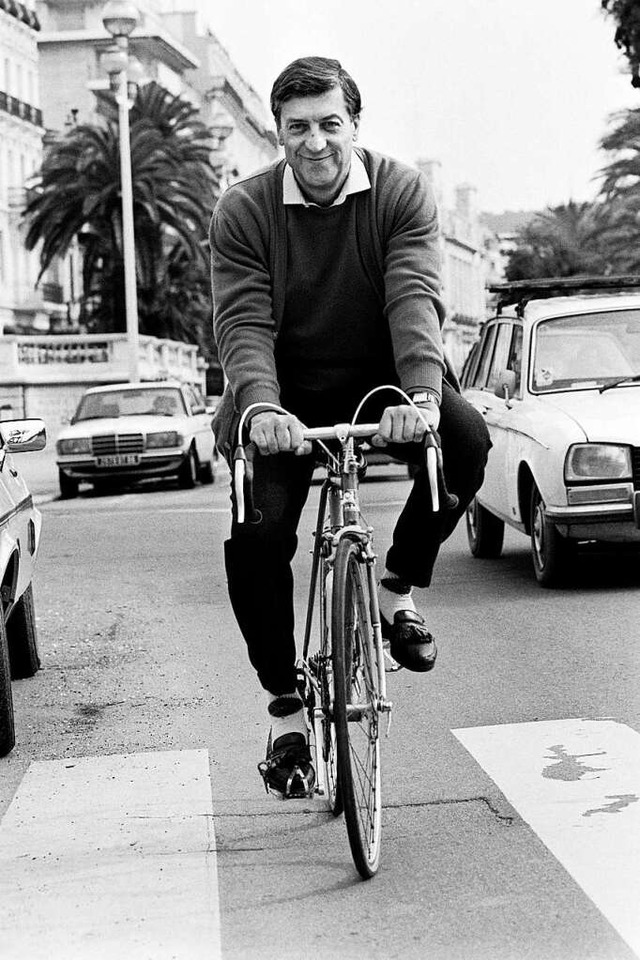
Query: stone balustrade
{"type": "Point", "coordinates": [94, 358]}
{"type": "Point", "coordinates": [45, 376]}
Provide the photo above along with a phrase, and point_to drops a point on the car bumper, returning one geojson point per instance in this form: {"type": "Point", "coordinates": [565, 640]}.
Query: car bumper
{"type": "Point", "coordinates": [149, 465]}
{"type": "Point", "coordinates": [615, 522]}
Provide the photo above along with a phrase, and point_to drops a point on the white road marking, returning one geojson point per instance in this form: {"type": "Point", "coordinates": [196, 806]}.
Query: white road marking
{"type": "Point", "coordinates": [104, 857]}
{"type": "Point", "coordinates": [577, 784]}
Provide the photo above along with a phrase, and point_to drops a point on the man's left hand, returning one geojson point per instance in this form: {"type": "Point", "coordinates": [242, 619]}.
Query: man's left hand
{"type": "Point", "coordinates": [406, 424]}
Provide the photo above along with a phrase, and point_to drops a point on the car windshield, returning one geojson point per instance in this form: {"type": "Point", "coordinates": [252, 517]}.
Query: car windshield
{"type": "Point", "coordinates": [165, 402]}
{"type": "Point", "coordinates": [586, 350]}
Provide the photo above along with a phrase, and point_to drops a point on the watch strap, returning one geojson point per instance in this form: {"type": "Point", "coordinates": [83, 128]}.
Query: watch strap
{"type": "Point", "coordinates": [425, 396]}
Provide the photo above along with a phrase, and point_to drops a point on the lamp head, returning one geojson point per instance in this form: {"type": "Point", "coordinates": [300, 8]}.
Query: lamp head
{"type": "Point", "coordinates": [120, 18]}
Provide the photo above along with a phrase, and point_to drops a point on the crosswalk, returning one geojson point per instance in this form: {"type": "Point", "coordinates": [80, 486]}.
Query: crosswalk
{"type": "Point", "coordinates": [115, 856]}
{"type": "Point", "coordinates": [576, 782]}
{"type": "Point", "coordinates": [111, 857]}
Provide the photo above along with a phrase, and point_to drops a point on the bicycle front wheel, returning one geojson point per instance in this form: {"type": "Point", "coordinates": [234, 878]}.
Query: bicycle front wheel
{"type": "Point", "coordinates": [356, 703]}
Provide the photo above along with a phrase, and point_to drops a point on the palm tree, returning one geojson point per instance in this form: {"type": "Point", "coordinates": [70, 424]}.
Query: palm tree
{"type": "Point", "coordinates": [619, 220]}
{"type": "Point", "coordinates": [561, 241]}
{"type": "Point", "coordinates": [77, 194]}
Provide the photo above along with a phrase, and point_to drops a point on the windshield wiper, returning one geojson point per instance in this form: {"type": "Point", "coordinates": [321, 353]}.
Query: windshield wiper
{"type": "Point", "coordinates": [632, 378]}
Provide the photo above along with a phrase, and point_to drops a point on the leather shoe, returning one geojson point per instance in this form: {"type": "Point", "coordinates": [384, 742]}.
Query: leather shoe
{"type": "Point", "coordinates": [411, 644]}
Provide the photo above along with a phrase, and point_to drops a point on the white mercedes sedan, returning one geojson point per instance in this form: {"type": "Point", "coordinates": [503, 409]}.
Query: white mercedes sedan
{"type": "Point", "coordinates": [123, 433]}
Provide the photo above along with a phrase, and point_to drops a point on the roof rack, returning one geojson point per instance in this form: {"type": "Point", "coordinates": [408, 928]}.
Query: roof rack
{"type": "Point", "coordinates": [521, 291]}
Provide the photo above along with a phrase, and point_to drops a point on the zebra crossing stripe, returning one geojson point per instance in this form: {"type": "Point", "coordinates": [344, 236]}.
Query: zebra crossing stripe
{"type": "Point", "coordinates": [577, 784]}
{"type": "Point", "coordinates": [104, 857]}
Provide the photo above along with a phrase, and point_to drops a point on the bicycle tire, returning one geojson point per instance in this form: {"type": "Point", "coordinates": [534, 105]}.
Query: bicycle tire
{"type": "Point", "coordinates": [327, 746]}
{"type": "Point", "coordinates": [357, 731]}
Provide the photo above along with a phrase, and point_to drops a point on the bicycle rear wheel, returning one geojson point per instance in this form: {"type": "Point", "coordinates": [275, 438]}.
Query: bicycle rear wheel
{"type": "Point", "coordinates": [356, 701]}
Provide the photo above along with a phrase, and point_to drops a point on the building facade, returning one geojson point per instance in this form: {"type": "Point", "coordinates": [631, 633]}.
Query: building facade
{"type": "Point", "coordinates": [170, 46]}
{"type": "Point", "coordinates": [464, 264]}
{"type": "Point", "coordinates": [21, 133]}
{"type": "Point", "coordinates": [53, 74]}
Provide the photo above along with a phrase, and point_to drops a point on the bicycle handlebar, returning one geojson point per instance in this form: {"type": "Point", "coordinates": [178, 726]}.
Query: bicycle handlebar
{"type": "Point", "coordinates": [341, 431]}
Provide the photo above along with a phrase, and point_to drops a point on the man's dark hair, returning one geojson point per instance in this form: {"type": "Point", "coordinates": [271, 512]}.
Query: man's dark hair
{"type": "Point", "coordinates": [311, 77]}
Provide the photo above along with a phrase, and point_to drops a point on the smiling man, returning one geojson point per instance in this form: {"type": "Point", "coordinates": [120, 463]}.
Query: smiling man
{"type": "Point", "coordinates": [317, 134]}
{"type": "Point", "coordinates": [326, 283]}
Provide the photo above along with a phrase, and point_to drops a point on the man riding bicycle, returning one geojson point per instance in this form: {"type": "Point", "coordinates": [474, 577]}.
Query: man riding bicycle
{"type": "Point", "coordinates": [326, 283]}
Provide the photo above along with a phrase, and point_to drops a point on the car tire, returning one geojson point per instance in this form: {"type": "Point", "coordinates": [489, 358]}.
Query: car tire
{"type": "Point", "coordinates": [208, 470]}
{"type": "Point", "coordinates": [551, 553]}
{"type": "Point", "coordinates": [485, 532]}
{"type": "Point", "coordinates": [68, 486]}
{"type": "Point", "coordinates": [22, 638]}
{"type": "Point", "coordinates": [7, 722]}
{"type": "Point", "coordinates": [188, 472]}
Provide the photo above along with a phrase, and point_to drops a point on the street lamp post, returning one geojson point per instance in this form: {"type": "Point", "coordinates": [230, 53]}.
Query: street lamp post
{"type": "Point", "coordinates": [120, 18]}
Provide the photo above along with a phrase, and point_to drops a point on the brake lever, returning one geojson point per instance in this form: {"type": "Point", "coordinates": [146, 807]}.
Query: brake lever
{"type": "Point", "coordinates": [435, 472]}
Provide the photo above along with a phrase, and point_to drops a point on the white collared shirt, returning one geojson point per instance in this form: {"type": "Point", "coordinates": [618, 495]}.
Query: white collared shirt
{"type": "Point", "coordinates": [357, 181]}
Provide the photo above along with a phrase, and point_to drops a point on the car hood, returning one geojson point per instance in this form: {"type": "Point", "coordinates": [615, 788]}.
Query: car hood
{"type": "Point", "coordinates": [610, 416]}
{"type": "Point", "coordinates": [148, 424]}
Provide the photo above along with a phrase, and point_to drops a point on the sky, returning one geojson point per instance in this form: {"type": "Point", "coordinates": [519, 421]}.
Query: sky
{"type": "Point", "coordinates": [511, 96]}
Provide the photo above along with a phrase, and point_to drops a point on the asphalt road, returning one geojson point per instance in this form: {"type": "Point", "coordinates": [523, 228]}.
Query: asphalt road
{"type": "Point", "coordinates": [141, 656]}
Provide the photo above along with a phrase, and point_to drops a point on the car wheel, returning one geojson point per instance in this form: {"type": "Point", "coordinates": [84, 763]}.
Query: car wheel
{"type": "Point", "coordinates": [7, 722]}
{"type": "Point", "coordinates": [22, 638]}
{"type": "Point", "coordinates": [68, 486]}
{"type": "Point", "coordinates": [485, 532]}
{"type": "Point", "coordinates": [208, 470]}
{"type": "Point", "coordinates": [550, 552]}
{"type": "Point", "coordinates": [188, 472]}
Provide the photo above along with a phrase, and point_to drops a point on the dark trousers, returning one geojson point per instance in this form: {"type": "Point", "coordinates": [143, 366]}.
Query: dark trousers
{"type": "Point", "coordinates": [258, 555]}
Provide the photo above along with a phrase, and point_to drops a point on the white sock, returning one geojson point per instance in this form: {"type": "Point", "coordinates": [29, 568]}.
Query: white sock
{"type": "Point", "coordinates": [392, 601]}
{"type": "Point", "coordinates": [293, 723]}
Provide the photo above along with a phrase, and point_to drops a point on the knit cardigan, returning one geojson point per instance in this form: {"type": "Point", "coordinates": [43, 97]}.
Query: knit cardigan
{"type": "Point", "coordinates": [397, 234]}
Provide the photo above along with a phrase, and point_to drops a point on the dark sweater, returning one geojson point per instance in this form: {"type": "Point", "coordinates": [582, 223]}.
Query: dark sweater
{"type": "Point", "coordinates": [333, 333]}
{"type": "Point", "coordinates": [396, 233]}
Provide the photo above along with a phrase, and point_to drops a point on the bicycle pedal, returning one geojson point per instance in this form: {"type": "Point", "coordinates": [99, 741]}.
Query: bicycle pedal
{"type": "Point", "coordinates": [390, 665]}
{"type": "Point", "coordinates": [300, 785]}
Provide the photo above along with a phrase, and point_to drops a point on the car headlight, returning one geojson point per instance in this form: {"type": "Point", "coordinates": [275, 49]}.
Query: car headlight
{"type": "Point", "coordinates": [74, 445]}
{"type": "Point", "coordinates": [167, 438]}
{"type": "Point", "coordinates": [597, 461]}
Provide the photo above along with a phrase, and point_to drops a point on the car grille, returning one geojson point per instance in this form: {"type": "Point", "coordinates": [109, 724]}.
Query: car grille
{"type": "Point", "coordinates": [635, 459]}
{"type": "Point", "coordinates": [109, 443]}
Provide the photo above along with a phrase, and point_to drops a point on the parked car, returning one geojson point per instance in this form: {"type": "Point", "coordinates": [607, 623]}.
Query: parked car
{"type": "Point", "coordinates": [20, 524]}
{"type": "Point", "coordinates": [131, 431]}
{"type": "Point", "coordinates": [556, 376]}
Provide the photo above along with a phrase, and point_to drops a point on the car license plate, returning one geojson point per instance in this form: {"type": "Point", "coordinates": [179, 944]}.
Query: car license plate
{"type": "Point", "coordinates": [119, 460]}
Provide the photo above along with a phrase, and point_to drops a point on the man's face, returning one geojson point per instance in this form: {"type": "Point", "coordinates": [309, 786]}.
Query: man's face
{"type": "Point", "coordinates": [317, 134]}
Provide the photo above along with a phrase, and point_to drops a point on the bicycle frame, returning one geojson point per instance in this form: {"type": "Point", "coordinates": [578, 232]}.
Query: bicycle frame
{"type": "Point", "coordinates": [338, 517]}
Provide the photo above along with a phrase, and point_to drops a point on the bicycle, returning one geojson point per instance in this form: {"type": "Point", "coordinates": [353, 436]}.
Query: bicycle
{"type": "Point", "coordinates": [341, 670]}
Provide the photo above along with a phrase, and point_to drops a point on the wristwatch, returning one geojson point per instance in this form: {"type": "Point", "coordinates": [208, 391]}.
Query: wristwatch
{"type": "Point", "coordinates": [425, 397]}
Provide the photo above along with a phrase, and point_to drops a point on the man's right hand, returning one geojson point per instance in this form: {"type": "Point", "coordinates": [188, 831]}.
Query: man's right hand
{"type": "Point", "coordinates": [278, 433]}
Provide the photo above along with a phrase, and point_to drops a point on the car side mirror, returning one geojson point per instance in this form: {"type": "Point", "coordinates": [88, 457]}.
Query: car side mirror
{"type": "Point", "coordinates": [20, 436]}
{"type": "Point", "coordinates": [505, 384]}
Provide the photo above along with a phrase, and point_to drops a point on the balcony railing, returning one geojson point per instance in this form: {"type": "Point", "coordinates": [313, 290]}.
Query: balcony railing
{"type": "Point", "coordinates": [21, 12]}
{"type": "Point", "coordinates": [18, 108]}
{"type": "Point", "coordinates": [95, 358]}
